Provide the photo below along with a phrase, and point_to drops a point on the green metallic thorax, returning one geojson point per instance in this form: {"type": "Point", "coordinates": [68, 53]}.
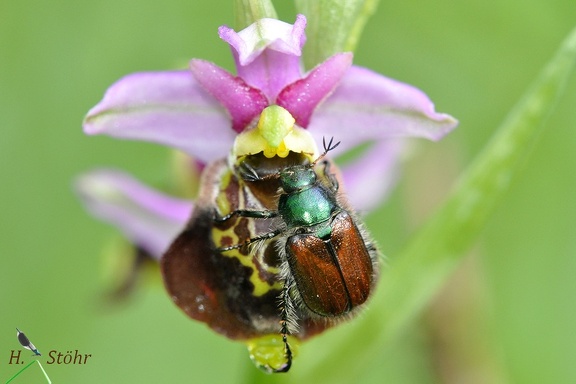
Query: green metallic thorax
{"type": "Point", "coordinates": [308, 207]}
{"type": "Point", "coordinates": [305, 202]}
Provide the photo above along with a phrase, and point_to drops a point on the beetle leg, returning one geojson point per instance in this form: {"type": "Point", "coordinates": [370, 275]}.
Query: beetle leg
{"type": "Point", "coordinates": [266, 236]}
{"type": "Point", "coordinates": [284, 331]}
{"type": "Point", "coordinates": [330, 176]}
{"type": "Point", "coordinates": [247, 172]}
{"type": "Point", "coordinates": [265, 214]}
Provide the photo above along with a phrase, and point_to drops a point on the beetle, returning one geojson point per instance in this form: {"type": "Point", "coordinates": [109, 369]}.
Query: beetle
{"type": "Point", "coordinates": [236, 293]}
{"type": "Point", "coordinates": [329, 264]}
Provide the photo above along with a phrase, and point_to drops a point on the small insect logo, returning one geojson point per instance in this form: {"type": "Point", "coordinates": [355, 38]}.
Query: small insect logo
{"type": "Point", "coordinates": [15, 356]}
{"type": "Point", "coordinates": [26, 342]}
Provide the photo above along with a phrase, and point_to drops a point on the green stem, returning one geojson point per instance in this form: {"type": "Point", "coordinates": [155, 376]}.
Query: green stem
{"type": "Point", "coordinates": [333, 26]}
{"type": "Point", "coordinates": [248, 11]}
{"type": "Point", "coordinates": [26, 367]}
{"type": "Point", "coordinates": [414, 277]}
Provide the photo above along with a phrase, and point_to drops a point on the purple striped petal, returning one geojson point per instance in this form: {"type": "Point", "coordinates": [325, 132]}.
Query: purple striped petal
{"type": "Point", "coordinates": [243, 102]}
{"type": "Point", "coordinates": [369, 179]}
{"type": "Point", "coordinates": [367, 106]}
{"type": "Point", "coordinates": [169, 108]}
{"type": "Point", "coordinates": [147, 218]}
{"type": "Point", "coordinates": [303, 96]}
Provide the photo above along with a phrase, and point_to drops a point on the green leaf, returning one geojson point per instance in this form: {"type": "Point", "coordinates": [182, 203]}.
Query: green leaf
{"type": "Point", "coordinates": [333, 26]}
{"type": "Point", "coordinates": [412, 278]}
{"type": "Point", "coordinates": [248, 11]}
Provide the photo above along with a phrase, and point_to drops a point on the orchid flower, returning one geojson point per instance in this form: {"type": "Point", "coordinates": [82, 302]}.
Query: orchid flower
{"type": "Point", "coordinates": [270, 108]}
{"type": "Point", "coordinates": [205, 110]}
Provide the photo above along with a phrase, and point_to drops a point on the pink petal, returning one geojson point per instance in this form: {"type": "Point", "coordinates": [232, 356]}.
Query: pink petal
{"type": "Point", "coordinates": [243, 102]}
{"type": "Point", "coordinates": [169, 108]}
{"type": "Point", "coordinates": [367, 106]}
{"type": "Point", "coordinates": [303, 96]}
{"type": "Point", "coordinates": [370, 178]}
{"type": "Point", "coordinates": [147, 218]}
{"type": "Point", "coordinates": [267, 53]}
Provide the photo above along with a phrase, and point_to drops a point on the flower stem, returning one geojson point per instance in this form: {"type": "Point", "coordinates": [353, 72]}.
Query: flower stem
{"type": "Point", "coordinates": [248, 11]}
{"type": "Point", "coordinates": [333, 26]}
{"type": "Point", "coordinates": [413, 277]}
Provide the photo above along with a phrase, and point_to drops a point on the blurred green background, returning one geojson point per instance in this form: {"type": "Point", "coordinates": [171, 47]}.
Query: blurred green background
{"type": "Point", "coordinates": [507, 316]}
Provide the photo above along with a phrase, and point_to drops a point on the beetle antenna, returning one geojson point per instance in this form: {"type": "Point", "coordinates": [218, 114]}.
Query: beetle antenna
{"type": "Point", "coordinates": [327, 148]}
